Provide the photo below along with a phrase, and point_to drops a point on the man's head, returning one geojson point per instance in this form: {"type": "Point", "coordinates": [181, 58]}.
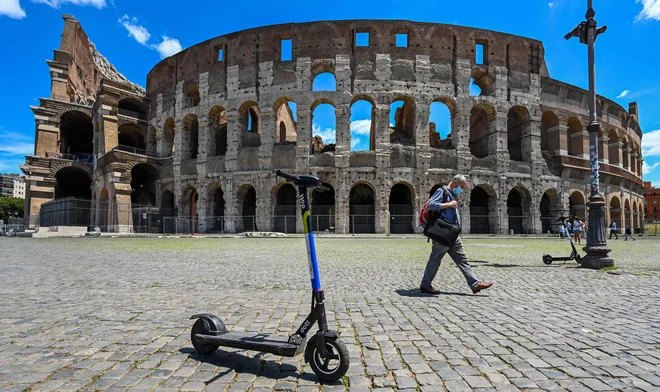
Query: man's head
{"type": "Point", "coordinates": [459, 180]}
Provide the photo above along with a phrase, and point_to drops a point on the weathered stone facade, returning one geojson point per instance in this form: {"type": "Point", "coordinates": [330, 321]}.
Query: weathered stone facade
{"type": "Point", "coordinates": [214, 126]}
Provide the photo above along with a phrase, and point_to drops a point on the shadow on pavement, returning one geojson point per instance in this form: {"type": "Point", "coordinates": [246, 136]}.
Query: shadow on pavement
{"type": "Point", "coordinates": [417, 293]}
{"type": "Point", "coordinates": [240, 363]}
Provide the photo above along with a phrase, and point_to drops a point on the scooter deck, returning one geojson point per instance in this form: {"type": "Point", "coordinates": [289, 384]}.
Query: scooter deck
{"type": "Point", "coordinates": [278, 345]}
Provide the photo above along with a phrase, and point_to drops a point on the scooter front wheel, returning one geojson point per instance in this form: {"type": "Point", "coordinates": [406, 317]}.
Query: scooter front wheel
{"type": "Point", "coordinates": [202, 327]}
{"type": "Point", "coordinates": [334, 365]}
{"type": "Point", "coordinates": [547, 259]}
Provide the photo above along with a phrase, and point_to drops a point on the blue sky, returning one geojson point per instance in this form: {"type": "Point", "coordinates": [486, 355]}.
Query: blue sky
{"type": "Point", "coordinates": [30, 30]}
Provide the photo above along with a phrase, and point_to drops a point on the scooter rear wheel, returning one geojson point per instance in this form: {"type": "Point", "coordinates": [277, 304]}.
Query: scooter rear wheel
{"type": "Point", "coordinates": [335, 365]}
{"type": "Point", "coordinates": [547, 259]}
{"type": "Point", "coordinates": [202, 327]}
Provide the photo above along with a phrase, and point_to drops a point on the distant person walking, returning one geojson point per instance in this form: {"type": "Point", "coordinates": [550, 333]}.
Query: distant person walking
{"type": "Point", "coordinates": [613, 230]}
{"type": "Point", "coordinates": [629, 234]}
{"type": "Point", "coordinates": [577, 228]}
{"type": "Point", "coordinates": [562, 231]}
{"type": "Point", "coordinates": [444, 202]}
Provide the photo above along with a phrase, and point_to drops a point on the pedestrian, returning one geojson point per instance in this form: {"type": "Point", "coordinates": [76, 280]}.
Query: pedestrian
{"type": "Point", "coordinates": [577, 228]}
{"type": "Point", "coordinates": [613, 230]}
{"type": "Point", "coordinates": [562, 231]}
{"type": "Point", "coordinates": [629, 234]}
{"type": "Point", "coordinates": [449, 211]}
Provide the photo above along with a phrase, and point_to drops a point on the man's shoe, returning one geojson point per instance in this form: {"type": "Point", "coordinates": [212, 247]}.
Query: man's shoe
{"type": "Point", "coordinates": [481, 286]}
{"type": "Point", "coordinates": [429, 290]}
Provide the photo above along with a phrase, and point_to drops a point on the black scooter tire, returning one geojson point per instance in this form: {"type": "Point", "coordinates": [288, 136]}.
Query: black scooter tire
{"type": "Point", "coordinates": [547, 259]}
{"type": "Point", "coordinates": [202, 327]}
{"type": "Point", "coordinates": [334, 346]}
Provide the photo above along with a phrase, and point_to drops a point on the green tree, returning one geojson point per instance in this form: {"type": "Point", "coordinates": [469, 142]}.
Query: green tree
{"type": "Point", "coordinates": [10, 206]}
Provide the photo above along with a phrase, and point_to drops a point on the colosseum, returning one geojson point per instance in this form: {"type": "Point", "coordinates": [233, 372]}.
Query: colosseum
{"type": "Point", "coordinates": [196, 151]}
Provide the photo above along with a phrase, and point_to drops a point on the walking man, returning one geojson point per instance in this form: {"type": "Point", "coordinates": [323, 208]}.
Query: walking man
{"type": "Point", "coordinates": [449, 211]}
{"type": "Point", "coordinates": [613, 230]}
{"type": "Point", "coordinates": [629, 234]}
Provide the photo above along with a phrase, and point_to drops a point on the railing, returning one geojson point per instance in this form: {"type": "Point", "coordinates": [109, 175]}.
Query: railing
{"type": "Point", "coordinates": [135, 150]}
{"type": "Point", "coordinates": [80, 157]}
{"type": "Point", "coordinates": [130, 113]}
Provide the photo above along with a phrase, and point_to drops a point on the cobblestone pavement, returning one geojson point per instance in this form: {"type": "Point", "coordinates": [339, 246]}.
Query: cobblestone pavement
{"type": "Point", "coordinates": [112, 314]}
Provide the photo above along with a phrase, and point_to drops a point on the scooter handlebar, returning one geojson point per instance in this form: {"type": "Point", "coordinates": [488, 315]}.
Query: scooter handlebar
{"type": "Point", "coordinates": [286, 176]}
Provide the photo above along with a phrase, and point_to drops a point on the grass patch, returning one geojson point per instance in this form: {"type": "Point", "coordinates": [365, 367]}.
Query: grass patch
{"type": "Point", "coordinates": [611, 268]}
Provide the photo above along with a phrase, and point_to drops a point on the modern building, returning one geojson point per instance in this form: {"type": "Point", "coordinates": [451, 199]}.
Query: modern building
{"type": "Point", "coordinates": [197, 149]}
{"type": "Point", "coordinates": [12, 185]}
{"type": "Point", "coordinates": [651, 203]}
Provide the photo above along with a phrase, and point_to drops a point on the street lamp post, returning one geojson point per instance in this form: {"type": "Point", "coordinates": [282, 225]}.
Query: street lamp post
{"type": "Point", "coordinates": [597, 251]}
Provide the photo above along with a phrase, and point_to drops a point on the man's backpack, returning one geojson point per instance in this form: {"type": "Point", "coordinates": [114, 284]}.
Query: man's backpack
{"type": "Point", "coordinates": [424, 214]}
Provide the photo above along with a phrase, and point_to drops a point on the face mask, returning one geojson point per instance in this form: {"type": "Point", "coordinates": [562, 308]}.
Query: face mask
{"type": "Point", "coordinates": [458, 190]}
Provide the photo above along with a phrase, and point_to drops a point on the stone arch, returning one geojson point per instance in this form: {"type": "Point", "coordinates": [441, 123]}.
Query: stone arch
{"type": "Point", "coordinates": [250, 124]}
{"type": "Point", "coordinates": [484, 80]}
{"type": "Point", "coordinates": [191, 96]}
{"type": "Point", "coordinates": [72, 181]}
{"type": "Point", "coordinates": [167, 144]}
{"type": "Point", "coordinates": [518, 205]}
{"type": "Point", "coordinates": [324, 81]}
{"type": "Point", "coordinates": [323, 209]}
{"type": "Point", "coordinates": [577, 205]}
{"type": "Point", "coordinates": [401, 205]}
{"type": "Point", "coordinates": [217, 122]}
{"type": "Point", "coordinates": [247, 205]}
{"type": "Point", "coordinates": [144, 178]}
{"type": "Point", "coordinates": [285, 118]}
{"type": "Point", "coordinates": [64, 110]}
{"type": "Point", "coordinates": [627, 213]}
{"type": "Point", "coordinates": [482, 121]}
{"type": "Point", "coordinates": [362, 208]}
{"type": "Point", "coordinates": [550, 211]}
{"type": "Point", "coordinates": [131, 107]}
{"type": "Point", "coordinates": [59, 165]}
{"type": "Point", "coordinates": [360, 126]}
{"type": "Point", "coordinates": [614, 148]}
{"type": "Point", "coordinates": [616, 212]}
{"type": "Point", "coordinates": [576, 138]}
{"type": "Point", "coordinates": [404, 120]}
{"type": "Point", "coordinates": [167, 206]}
{"type": "Point", "coordinates": [285, 204]}
{"type": "Point", "coordinates": [324, 138]}
{"type": "Point", "coordinates": [189, 201]}
{"type": "Point", "coordinates": [518, 126]}
{"type": "Point", "coordinates": [190, 137]}
{"type": "Point", "coordinates": [76, 135]}
{"type": "Point", "coordinates": [550, 135]}
{"type": "Point", "coordinates": [441, 122]}
{"type": "Point", "coordinates": [483, 210]}
{"type": "Point", "coordinates": [216, 216]}
{"type": "Point", "coordinates": [131, 138]}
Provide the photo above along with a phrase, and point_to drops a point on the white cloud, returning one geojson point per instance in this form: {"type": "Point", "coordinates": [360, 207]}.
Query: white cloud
{"type": "Point", "coordinates": [57, 3]}
{"type": "Point", "coordinates": [328, 135]}
{"type": "Point", "coordinates": [551, 4]}
{"type": "Point", "coordinates": [651, 143]}
{"type": "Point", "coordinates": [140, 33]}
{"type": "Point", "coordinates": [354, 141]}
{"type": "Point", "coordinates": [361, 127]}
{"type": "Point", "coordinates": [12, 9]}
{"type": "Point", "coordinates": [168, 47]}
{"type": "Point", "coordinates": [651, 10]}
{"type": "Point", "coordinates": [656, 184]}
{"type": "Point", "coordinates": [647, 169]}
{"type": "Point", "coordinates": [623, 94]}
{"type": "Point", "coordinates": [15, 143]}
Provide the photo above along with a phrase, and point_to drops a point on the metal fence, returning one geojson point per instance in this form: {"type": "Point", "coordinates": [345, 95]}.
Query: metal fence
{"type": "Point", "coordinates": [652, 228]}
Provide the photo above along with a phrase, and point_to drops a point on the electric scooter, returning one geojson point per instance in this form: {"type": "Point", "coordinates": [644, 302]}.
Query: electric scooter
{"type": "Point", "coordinates": [547, 259]}
{"type": "Point", "coordinates": [325, 352]}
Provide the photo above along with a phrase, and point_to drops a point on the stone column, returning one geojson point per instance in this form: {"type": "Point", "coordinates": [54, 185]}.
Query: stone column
{"type": "Point", "coordinates": [460, 134]}
{"type": "Point", "coordinates": [343, 136]}
{"type": "Point", "coordinates": [203, 207]}
{"type": "Point", "coordinates": [304, 139]}
{"type": "Point", "coordinates": [619, 154]}
{"type": "Point", "coordinates": [204, 138]}
{"type": "Point", "coordinates": [268, 136]}
{"type": "Point", "coordinates": [381, 206]}
{"type": "Point", "coordinates": [342, 204]}
{"type": "Point", "coordinates": [264, 202]}
{"type": "Point", "coordinates": [531, 140]}
{"type": "Point", "coordinates": [382, 137]}
{"type": "Point", "coordinates": [464, 201]}
{"type": "Point", "coordinates": [178, 141]}
{"type": "Point", "coordinates": [497, 141]}
{"type": "Point", "coordinates": [603, 148]}
{"type": "Point", "coordinates": [233, 140]}
{"type": "Point", "coordinates": [422, 142]}
{"type": "Point", "coordinates": [124, 210]}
